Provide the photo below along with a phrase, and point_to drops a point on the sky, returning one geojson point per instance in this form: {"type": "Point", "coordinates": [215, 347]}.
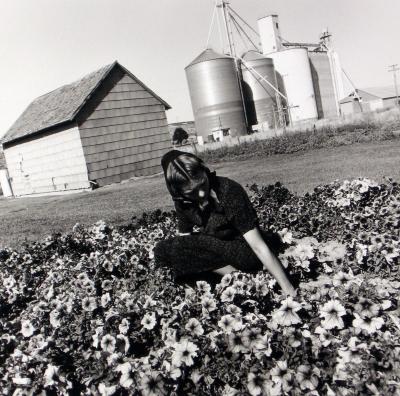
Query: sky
{"type": "Point", "coordinates": [48, 43]}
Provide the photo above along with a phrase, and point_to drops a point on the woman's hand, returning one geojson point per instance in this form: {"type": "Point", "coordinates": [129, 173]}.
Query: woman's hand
{"type": "Point", "coordinates": [269, 260]}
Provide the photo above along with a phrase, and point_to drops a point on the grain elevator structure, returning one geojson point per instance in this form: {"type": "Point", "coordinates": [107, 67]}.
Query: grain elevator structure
{"type": "Point", "coordinates": [282, 83]}
{"type": "Point", "coordinates": [309, 73]}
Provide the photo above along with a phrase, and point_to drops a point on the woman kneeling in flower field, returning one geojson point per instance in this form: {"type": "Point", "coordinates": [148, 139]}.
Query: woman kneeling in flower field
{"type": "Point", "coordinates": [229, 237]}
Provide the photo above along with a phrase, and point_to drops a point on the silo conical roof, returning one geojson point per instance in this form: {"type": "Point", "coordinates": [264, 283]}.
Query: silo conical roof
{"type": "Point", "coordinates": [207, 55]}
{"type": "Point", "coordinates": [253, 55]}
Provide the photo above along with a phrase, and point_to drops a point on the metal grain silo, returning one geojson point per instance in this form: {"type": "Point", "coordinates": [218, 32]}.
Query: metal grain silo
{"type": "Point", "coordinates": [260, 97]}
{"type": "Point", "coordinates": [215, 94]}
{"type": "Point", "coordinates": [293, 69]}
{"type": "Point", "coordinates": [324, 85]}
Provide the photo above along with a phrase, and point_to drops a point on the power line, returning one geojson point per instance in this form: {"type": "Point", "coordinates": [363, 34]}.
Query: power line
{"type": "Point", "coordinates": [237, 25]}
{"type": "Point", "coordinates": [238, 31]}
{"type": "Point", "coordinates": [211, 27]}
{"type": "Point", "coordinates": [254, 31]}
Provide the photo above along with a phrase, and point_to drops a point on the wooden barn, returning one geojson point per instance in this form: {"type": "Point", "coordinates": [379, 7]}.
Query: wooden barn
{"type": "Point", "coordinates": [104, 128]}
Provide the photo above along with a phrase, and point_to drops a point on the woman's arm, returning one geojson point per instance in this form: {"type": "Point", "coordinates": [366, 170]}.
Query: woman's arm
{"type": "Point", "coordinates": [269, 260]}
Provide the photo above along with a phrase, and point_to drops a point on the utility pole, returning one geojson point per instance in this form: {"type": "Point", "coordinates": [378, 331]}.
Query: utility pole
{"type": "Point", "coordinates": [394, 69]}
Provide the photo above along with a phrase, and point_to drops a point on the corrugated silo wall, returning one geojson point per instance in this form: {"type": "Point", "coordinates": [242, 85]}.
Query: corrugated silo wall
{"type": "Point", "coordinates": [124, 131]}
{"type": "Point", "coordinates": [323, 84]}
{"type": "Point", "coordinates": [216, 98]}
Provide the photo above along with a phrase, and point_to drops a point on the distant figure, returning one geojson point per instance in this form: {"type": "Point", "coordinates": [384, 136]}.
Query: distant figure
{"type": "Point", "coordinates": [180, 135]}
{"type": "Point", "coordinates": [229, 237]}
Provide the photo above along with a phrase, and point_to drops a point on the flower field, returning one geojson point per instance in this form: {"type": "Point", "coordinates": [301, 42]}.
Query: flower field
{"type": "Point", "coordinates": [89, 313]}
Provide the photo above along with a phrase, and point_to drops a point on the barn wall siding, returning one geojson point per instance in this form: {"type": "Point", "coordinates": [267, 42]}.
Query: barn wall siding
{"type": "Point", "coordinates": [124, 131]}
{"type": "Point", "coordinates": [48, 164]}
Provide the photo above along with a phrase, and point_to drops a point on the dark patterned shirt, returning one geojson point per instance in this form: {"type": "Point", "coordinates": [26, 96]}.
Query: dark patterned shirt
{"type": "Point", "coordinates": [229, 219]}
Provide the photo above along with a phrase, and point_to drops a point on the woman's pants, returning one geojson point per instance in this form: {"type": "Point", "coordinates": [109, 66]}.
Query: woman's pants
{"type": "Point", "coordinates": [199, 253]}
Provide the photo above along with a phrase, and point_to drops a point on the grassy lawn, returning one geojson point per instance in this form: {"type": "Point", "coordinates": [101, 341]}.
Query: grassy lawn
{"type": "Point", "coordinates": [30, 219]}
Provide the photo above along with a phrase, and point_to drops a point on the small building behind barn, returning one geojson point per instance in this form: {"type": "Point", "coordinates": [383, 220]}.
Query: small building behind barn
{"type": "Point", "coordinates": [371, 99]}
{"type": "Point", "coordinates": [104, 128]}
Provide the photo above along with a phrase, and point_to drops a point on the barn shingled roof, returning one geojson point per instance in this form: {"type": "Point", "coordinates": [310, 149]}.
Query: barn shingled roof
{"type": "Point", "coordinates": [62, 105]}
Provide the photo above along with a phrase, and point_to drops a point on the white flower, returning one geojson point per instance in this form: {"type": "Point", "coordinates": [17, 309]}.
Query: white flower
{"type": "Point", "coordinates": [194, 326]}
{"type": "Point", "coordinates": [49, 374]}
{"type": "Point", "coordinates": [196, 376]}
{"type": "Point", "coordinates": [286, 236]}
{"type": "Point", "coordinates": [124, 326]}
{"type": "Point", "coordinates": [50, 293]}
{"type": "Point", "coordinates": [173, 371]}
{"type": "Point", "coordinates": [149, 321]}
{"type": "Point", "coordinates": [169, 337]}
{"type": "Point", "coordinates": [9, 282]}
{"type": "Point", "coordinates": [105, 299]}
{"type": "Point", "coordinates": [21, 380]}
{"type": "Point", "coordinates": [108, 343]}
{"type": "Point", "coordinates": [307, 377]}
{"type": "Point", "coordinates": [95, 337]}
{"type": "Point", "coordinates": [89, 304]}
{"type": "Point", "coordinates": [228, 294]}
{"type": "Point", "coordinates": [112, 358]}
{"type": "Point", "coordinates": [126, 381]}
{"type": "Point", "coordinates": [303, 250]}
{"type": "Point", "coordinates": [226, 280]}
{"type": "Point", "coordinates": [251, 337]}
{"type": "Point", "coordinates": [280, 373]}
{"type": "Point", "coordinates": [203, 287]}
{"type": "Point", "coordinates": [27, 328]}
{"type": "Point", "coordinates": [54, 319]}
{"type": "Point", "coordinates": [325, 336]}
{"type": "Point", "coordinates": [152, 384]}
{"type": "Point", "coordinates": [208, 304]}
{"type": "Point", "coordinates": [342, 278]}
{"type": "Point", "coordinates": [124, 368]}
{"type": "Point", "coordinates": [257, 384]}
{"type": "Point", "coordinates": [263, 343]}
{"type": "Point", "coordinates": [229, 323]}
{"type": "Point", "coordinates": [107, 285]}
{"type": "Point", "coordinates": [184, 352]}
{"type": "Point", "coordinates": [229, 391]}
{"type": "Point", "coordinates": [370, 325]}
{"type": "Point", "coordinates": [233, 309]}
{"type": "Point", "coordinates": [149, 302]}
{"type": "Point", "coordinates": [332, 312]}
{"type": "Point", "coordinates": [107, 390]}
{"type": "Point", "coordinates": [331, 251]}
{"type": "Point", "coordinates": [286, 314]}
